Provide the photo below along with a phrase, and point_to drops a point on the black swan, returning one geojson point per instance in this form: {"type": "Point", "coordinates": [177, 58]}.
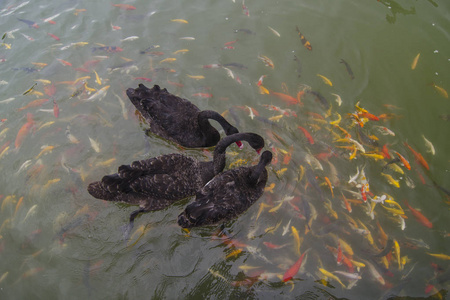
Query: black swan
{"type": "Point", "coordinates": [227, 195]}
{"type": "Point", "coordinates": [177, 119]}
{"type": "Point", "coordinates": [156, 183]}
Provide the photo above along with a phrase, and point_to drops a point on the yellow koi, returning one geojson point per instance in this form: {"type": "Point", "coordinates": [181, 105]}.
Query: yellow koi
{"type": "Point", "coordinates": [276, 118]}
{"type": "Point", "coordinates": [391, 180]}
{"type": "Point", "coordinates": [39, 65]}
{"type": "Point", "coordinates": [105, 163]}
{"type": "Point", "coordinates": [181, 51]}
{"type": "Point", "coordinates": [88, 88]}
{"type": "Point", "coordinates": [4, 152]}
{"type": "Point", "coordinates": [331, 275]}
{"type": "Point", "coordinates": [45, 150]}
{"type": "Point", "coordinates": [336, 122]}
{"type": "Point", "coordinates": [414, 62]}
{"type": "Point", "coordinates": [169, 59]}
{"type": "Point", "coordinates": [263, 90]}
{"type": "Point", "coordinates": [3, 277]}
{"type": "Point", "coordinates": [397, 254]}
{"type": "Point", "coordinates": [137, 235]}
{"type": "Point", "coordinates": [374, 156]}
{"type": "Point", "coordinates": [440, 256]}
{"type": "Point", "coordinates": [326, 80]}
{"type": "Point", "coordinates": [269, 188]}
{"type": "Point", "coordinates": [97, 78]}
{"type": "Point", "coordinates": [9, 199]}
{"type": "Point", "coordinates": [296, 239]}
{"type": "Point", "coordinates": [81, 79]}
{"type": "Point", "coordinates": [281, 172]}
{"type": "Point", "coordinates": [440, 90]}
{"type": "Point", "coordinates": [234, 253]}
{"type": "Point", "coordinates": [196, 77]}
{"type": "Point", "coordinates": [396, 168]}
{"type": "Point", "coordinates": [302, 173]}
{"type": "Point", "coordinates": [44, 81]}
{"type": "Point", "coordinates": [180, 21]}
{"type": "Point", "coordinates": [261, 207]}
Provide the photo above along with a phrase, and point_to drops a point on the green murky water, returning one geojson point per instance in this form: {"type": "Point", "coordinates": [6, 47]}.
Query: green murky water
{"type": "Point", "coordinates": [56, 241]}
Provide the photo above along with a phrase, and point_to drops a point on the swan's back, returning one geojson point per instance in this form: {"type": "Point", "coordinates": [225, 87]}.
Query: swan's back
{"type": "Point", "coordinates": [225, 197]}
{"type": "Point", "coordinates": [165, 179]}
{"type": "Point", "coordinates": [172, 117]}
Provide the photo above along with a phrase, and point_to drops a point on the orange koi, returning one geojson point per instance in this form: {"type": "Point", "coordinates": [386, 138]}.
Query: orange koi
{"type": "Point", "coordinates": [292, 271]}
{"type": "Point", "coordinates": [287, 157]}
{"type": "Point", "coordinates": [299, 95]}
{"type": "Point", "coordinates": [34, 103]}
{"type": "Point", "coordinates": [24, 130]}
{"type": "Point", "coordinates": [202, 95]}
{"type": "Point", "coordinates": [330, 186]}
{"type": "Point", "coordinates": [368, 116]}
{"type": "Point", "coordinates": [286, 98]}
{"type": "Point", "coordinates": [66, 63]}
{"type": "Point", "coordinates": [385, 152]}
{"type": "Point", "coordinates": [347, 203]}
{"type": "Point", "coordinates": [55, 109]}
{"type": "Point", "coordinates": [53, 36]}
{"type": "Point", "coordinates": [418, 156]}
{"type": "Point", "coordinates": [419, 216]}
{"type": "Point", "coordinates": [340, 256]}
{"type": "Point", "coordinates": [403, 160]}
{"type": "Point", "coordinates": [124, 6]}
{"type": "Point", "coordinates": [307, 135]}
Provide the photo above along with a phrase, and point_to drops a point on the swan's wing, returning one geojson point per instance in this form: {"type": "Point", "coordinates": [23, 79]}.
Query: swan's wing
{"type": "Point", "coordinates": [165, 186]}
{"type": "Point", "coordinates": [164, 164]}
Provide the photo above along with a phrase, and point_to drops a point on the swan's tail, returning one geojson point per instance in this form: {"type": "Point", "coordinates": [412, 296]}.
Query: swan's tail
{"type": "Point", "coordinates": [98, 190]}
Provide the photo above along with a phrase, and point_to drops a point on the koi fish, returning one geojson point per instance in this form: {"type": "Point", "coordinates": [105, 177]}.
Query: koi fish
{"type": "Point", "coordinates": [169, 59]}
{"type": "Point", "coordinates": [429, 146]}
{"type": "Point", "coordinates": [53, 36]}
{"type": "Point", "coordinates": [99, 94]}
{"type": "Point", "coordinates": [440, 256]}
{"type": "Point", "coordinates": [293, 270]}
{"type": "Point", "coordinates": [304, 41]}
{"type": "Point", "coordinates": [65, 63]}
{"type": "Point", "coordinates": [418, 156]}
{"type": "Point", "coordinates": [307, 135]}
{"type": "Point", "coordinates": [109, 49]}
{"type": "Point", "coordinates": [34, 103]}
{"type": "Point", "coordinates": [414, 62]}
{"type": "Point", "coordinates": [29, 23]}
{"type": "Point", "coordinates": [180, 21]}
{"type": "Point", "coordinates": [196, 77]}
{"type": "Point", "coordinates": [124, 6]}
{"type": "Point", "coordinates": [391, 180]}
{"type": "Point", "coordinates": [419, 216]}
{"type": "Point", "coordinates": [299, 66]}
{"type": "Point", "coordinates": [286, 98]}
{"type": "Point", "coordinates": [24, 130]}
{"type": "Point", "coordinates": [274, 31]}
{"type": "Point", "coordinates": [267, 61]}
{"type": "Point", "coordinates": [296, 239]}
{"type": "Point", "coordinates": [347, 67]}
{"type": "Point", "coordinates": [321, 99]}
{"type": "Point", "coordinates": [403, 160]}
{"type": "Point", "coordinates": [440, 90]}
{"type": "Point", "coordinates": [97, 79]}
{"type": "Point", "coordinates": [331, 275]}
{"type": "Point", "coordinates": [326, 80]}
{"type": "Point", "coordinates": [203, 95]}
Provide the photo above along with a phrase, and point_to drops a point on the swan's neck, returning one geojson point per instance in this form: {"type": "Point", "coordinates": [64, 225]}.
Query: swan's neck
{"type": "Point", "coordinates": [256, 172]}
{"type": "Point", "coordinates": [204, 115]}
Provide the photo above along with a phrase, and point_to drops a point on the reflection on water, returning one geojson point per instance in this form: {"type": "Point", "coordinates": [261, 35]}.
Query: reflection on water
{"type": "Point", "coordinates": [343, 216]}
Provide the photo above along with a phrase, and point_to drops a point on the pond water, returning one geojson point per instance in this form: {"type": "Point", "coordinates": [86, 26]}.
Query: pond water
{"type": "Point", "coordinates": [66, 121]}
